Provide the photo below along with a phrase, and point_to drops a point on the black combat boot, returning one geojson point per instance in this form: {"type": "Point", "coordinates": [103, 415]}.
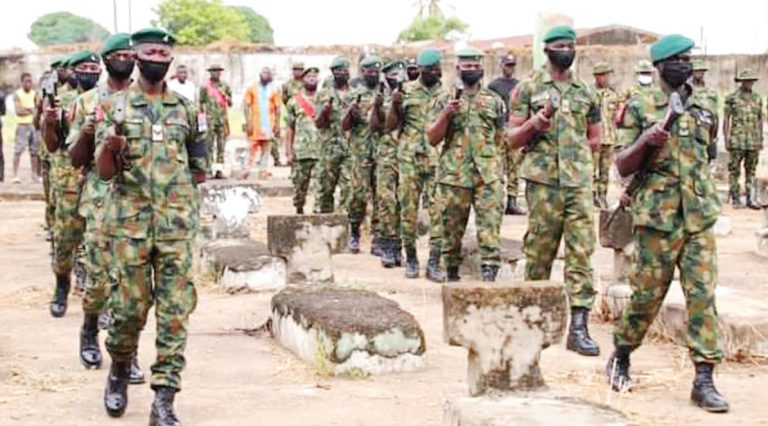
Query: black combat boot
{"type": "Point", "coordinates": [354, 238]}
{"type": "Point", "coordinates": [59, 302]}
{"type": "Point", "coordinates": [388, 259]}
{"type": "Point", "coordinates": [300, 210]}
{"type": "Point", "coordinates": [162, 408]}
{"type": "Point", "coordinates": [137, 376]}
{"type": "Point", "coordinates": [512, 208]}
{"type": "Point", "coordinates": [751, 201]}
{"type": "Point", "coordinates": [617, 369]}
{"type": "Point", "coordinates": [116, 393]}
{"type": "Point", "coordinates": [489, 272]}
{"type": "Point", "coordinates": [433, 266]}
{"type": "Point", "coordinates": [578, 335]}
{"type": "Point", "coordinates": [704, 394]}
{"type": "Point", "coordinates": [397, 248]}
{"type": "Point", "coordinates": [411, 262]}
{"type": "Point", "coordinates": [90, 353]}
{"type": "Point", "coordinates": [453, 274]}
{"type": "Point", "coordinates": [376, 246]}
{"type": "Point", "coordinates": [736, 200]}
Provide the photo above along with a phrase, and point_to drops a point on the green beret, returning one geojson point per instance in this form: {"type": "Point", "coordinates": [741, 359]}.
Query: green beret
{"type": "Point", "coordinates": [309, 70]}
{"type": "Point", "coordinates": [153, 35]}
{"type": "Point", "coordinates": [340, 62]}
{"type": "Point", "coordinates": [560, 32]}
{"type": "Point", "coordinates": [700, 66]}
{"type": "Point", "coordinates": [746, 75]}
{"type": "Point", "coordinates": [371, 61]}
{"type": "Point", "coordinates": [643, 66]}
{"type": "Point", "coordinates": [669, 46]}
{"type": "Point", "coordinates": [393, 65]}
{"type": "Point", "coordinates": [215, 67]}
{"type": "Point", "coordinates": [602, 67]}
{"type": "Point", "coordinates": [115, 42]}
{"type": "Point", "coordinates": [58, 61]}
{"type": "Point", "coordinates": [429, 58]}
{"type": "Point", "coordinates": [470, 53]}
{"type": "Point", "coordinates": [81, 57]}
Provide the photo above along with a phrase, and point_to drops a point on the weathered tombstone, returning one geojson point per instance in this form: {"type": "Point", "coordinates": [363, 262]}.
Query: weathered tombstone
{"type": "Point", "coordinates": [347, 331]}
{"type": "Point", "coordinates": [243, 265]}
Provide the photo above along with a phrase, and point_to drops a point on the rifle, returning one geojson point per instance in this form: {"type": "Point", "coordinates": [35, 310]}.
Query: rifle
{"type": "Point", "coordinates": [458, 90]}
{"type": "Point", "coordinates": [553, 103]}
{"type": "Point", "coordinates": [48, 87]}
{"type": "Point", "coordinates": [122, 162]}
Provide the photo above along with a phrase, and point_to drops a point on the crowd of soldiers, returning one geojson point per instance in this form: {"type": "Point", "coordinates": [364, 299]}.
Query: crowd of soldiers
{"type": "Point", "coordinates": [122, 160]}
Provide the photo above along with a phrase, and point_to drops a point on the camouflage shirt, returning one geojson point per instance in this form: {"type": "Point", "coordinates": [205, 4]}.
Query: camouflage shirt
{"type": "Point", "coordinates": [472, 145]}
{"type": "Point", "coordinates": [678, 190]}
{"type": "Point", "coordinates": [63, 175]}
{"type": "Point", "coordinates": [289, 88]}
{"type": "Point", "coordinates": [333, 134]}
{"type": "Point", "coordinates": [610, 103]}
{"type": "Point", "coordinates": [155, 196]}
{"type": "Point", "coordinates": [215, 113]}
{"type": "Point", "coordinates": [418, 102]}
{"type": "Point", "coordinates": [386, 152]}
{"type": "Point", "coordinates": [561, 156]}
{"type": "Point", "coordinates": [363, 141]}
{"type": "Point", "coordinates": [709, 99]}
{"type": "Point", "coordinates": [300, 112]}
{"type": "Point", "coordinates": [746, 111]}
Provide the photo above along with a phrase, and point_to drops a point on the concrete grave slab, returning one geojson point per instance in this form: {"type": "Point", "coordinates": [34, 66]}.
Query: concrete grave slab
{"type": "Point", "coordinates": [243, 265]}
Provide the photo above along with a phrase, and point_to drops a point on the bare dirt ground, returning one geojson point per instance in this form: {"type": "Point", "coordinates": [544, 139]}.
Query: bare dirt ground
{"type": "Point", "coordinates": [234, 379]}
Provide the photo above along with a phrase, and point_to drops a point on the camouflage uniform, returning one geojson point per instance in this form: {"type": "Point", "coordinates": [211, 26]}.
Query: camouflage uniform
{"type": "Point", "coordinates": [418, 164]}
{"type": "Point", "coordinates": [152, 217]}
{"type": "Point", "coordinates": [610, 102]}
{"type": "Point", "coordinates": [387, 172]}
{"type": "Point", "coordinates": [746, 140]}
{"type": "Point", "coordinates": [305, 144]}
{"type": "Point", "coordinates": [558, 172]}
{"type": "Point", "coordinates": [673, 212]}
{"type": "Point", "coordinates": [218, 122]}
{"type": "Point", "coordinates": [287, 90]}
{"type": "Point", "coordinates": [469, 175]}
{"type": "Point", "coordinates": [363, 143]}
{"type": "Point", "coordinates": [710, 99]}
{"type": "Point", "coordinates": [335, 162]}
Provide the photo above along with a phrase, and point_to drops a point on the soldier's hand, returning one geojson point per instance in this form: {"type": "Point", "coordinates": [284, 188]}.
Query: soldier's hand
{"type": "Point", "coordinates": [540, 121]}
{"type": "Point", "coordinates": [51, 113]}
{"type": "Point", "coordinates": [397, 97]}
{"type": "Point", "coordinates": [378, 100]}
{"type": "Point", "coordinates": [656, 135]}
{"type": "Point", "coordinates": [354, 110]}
{"type": "Point", "coordinates": [90, 126]}
{"type": "Point", "coordinates": [116, 143]}
{"type": "Point", "coordinates": [452, 107]}
{"type": "Point", "coordinates": [328, 107]}
{"type": "Point", "coordinates": [624, 200]}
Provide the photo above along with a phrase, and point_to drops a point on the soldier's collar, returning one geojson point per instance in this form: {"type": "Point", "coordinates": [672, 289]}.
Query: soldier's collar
{"type": "Point", "coordinates": [547, 78]}
{"type": "Point", "coordinates": [138, 99]}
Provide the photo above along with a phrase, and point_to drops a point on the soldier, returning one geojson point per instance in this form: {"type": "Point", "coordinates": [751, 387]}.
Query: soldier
{"type": "Point", "coordinates": [68, 225]}
{"type": "Point", "coordinates": [743, 130]}
{"type": "Point", "coordinates": [503, 87]}
{"type": "Point", "coordinates": [417, 160]}
{"type": "Point", "coordinates": [215, 98]}
{"type": "Point", "coordinates": [470, 124]}
{"type": "Point", "coordinates": [296, 83]}
{"type": "Point", "coordinates": [602, 158]}
{"type": "Point", "coordinates": [412, 69]}
{"type": "Point", "coordinates": [556, 117]}
{"type": "Point", "coordinates": [363, 142]}
{"type": "Point", "coordinates": [334, 159]}
{"type": "Point", "coordinates": [643, 79]}
{"type": "Point", "coordinates": [387, 170]}
{"type": "Point", "coordinates": [301, 148]}
{"type": "Point", "coordinates": [118, 60]}
{"type": "Point", "coordinates": [708, 97]}
{"type": "Point", "coordinates": [151, 147]}
{"type": "Point", "coordinates": [673, 212]}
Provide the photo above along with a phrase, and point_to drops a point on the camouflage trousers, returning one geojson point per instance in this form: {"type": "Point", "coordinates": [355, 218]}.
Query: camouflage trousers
{"type": "Point", "coordinates": [417, 183]}
{"type": "Point", "coordinates": [98, 255]}
{"type": "Point", "coordinates": [50, 206]}
{"type": "Point", "coordinates": [557, 213]}
{"type": "Point", "coordinates": [69, 226]}
{"type": "Point", "coordinates": [389, 206]}
{"type": "Point", "coordinates": [152, 272]}
{"type": "Point", "coordinates": [456, 202]}
{"type": "Point", "coordinates": [736, 158]}
{"type": "Point", "coordinates": [654, 265]}
{"type": "Point", "coordinates": [217, 140]}
{"type": "Point", "coordinates": [335, 170]}
{"type": "Point", "coordinates": [362, 191]}
{"type": "Point", "coordinates": [601, 162]}
{"type": "Point", "coordinates": [301, 174]}
{"type": "Point", "coordinates": [512, 163]}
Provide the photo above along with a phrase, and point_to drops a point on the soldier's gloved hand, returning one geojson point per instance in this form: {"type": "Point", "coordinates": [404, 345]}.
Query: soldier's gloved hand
{"type": "Point", "coordinates": [540, 121]}
{"type": "Point", "coordinates": [397, 97]}
{"type": "Point", "coordinates": [116, 143]}
{"type": "Point", "coordinates": [452, 107]}
{"type": "Point", "coordinates": [655, 135]}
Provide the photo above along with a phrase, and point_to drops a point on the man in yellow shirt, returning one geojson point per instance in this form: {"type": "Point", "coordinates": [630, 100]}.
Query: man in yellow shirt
{"type": "Point", "coordinates": [24, 104]}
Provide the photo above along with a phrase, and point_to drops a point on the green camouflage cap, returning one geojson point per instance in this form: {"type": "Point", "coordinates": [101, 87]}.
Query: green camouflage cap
{"type": "Point", "coordinates": [81, 57]}
{"type": "Point", "coordinates": [115, 42]}
{"type": "Point", "coordinates": [560, 32]}
{"type": "Point", "coordinates": [340, 62]}
{"type": "Point", "coordinates": [643, 66]}
{"type": "Point", "coordinates": [469, 53]}
{"type": "Point", "coordinates": [393, 65]}
{"type": "Point", "coordinates": [700, 66]}
{"type": "Point", "coordinates": [371, 61]}
{"type": "Point", "coordinates": [153, 35]}
{"type": "Point", "coordinates": [669, 46]}
{"type": "Point", "coordinates": [746, 75]}
{"type": "Point", "coordinates": [429, 58]}
{"type": "Point", "coordinates": [601, 67]}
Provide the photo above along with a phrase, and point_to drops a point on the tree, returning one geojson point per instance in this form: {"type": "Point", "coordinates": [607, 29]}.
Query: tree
{"type": "Point", "coordinates": [64, 28]}
{"type": "Point", "coordinates": [431, 23]}
{"type": "Point", "coordinates": [199, 22]}
{"type": "Point", "coordinates": [259, 29]}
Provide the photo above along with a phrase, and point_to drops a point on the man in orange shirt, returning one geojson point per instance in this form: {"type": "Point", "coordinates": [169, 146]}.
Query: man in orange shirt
{"type": "Point", "coordinates": [262, 116]}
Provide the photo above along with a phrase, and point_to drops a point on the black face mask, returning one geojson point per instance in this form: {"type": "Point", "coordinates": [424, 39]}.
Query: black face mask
{"type": "Point", "coordinates": [310, 87]}
{"type": "Point", "coordinates": [562, 59]}
{"type": "Point", "coordinates": [72, 80]}
{"type": "Point", "coordinates": [87, 80]}
{"type": "Point", "coordinates": [154, 71]}
{"type": "Point", "coordinates": [371, 80]}
{"type": "Point", "coordinates": [471, 77]}
{"type": "Point", "coordinates": [676, 73]}
{"type": "Point", "coordinates": [412, 74]}
{"type": "Point", "coordinates": [430, 78]}
{"type": "Point", "coordinates": [392, 83]}
{"type": "Point", "coordinates": [120, 70]}
{"type": "Point", "coordinates": [341, 80]}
